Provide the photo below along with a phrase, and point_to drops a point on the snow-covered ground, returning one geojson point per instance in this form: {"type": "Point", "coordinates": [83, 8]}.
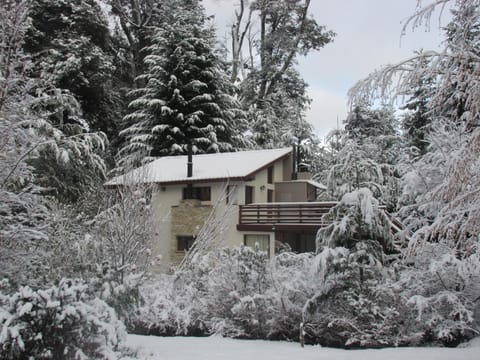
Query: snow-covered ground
{"type": "Point", "coordinates": [218, 348]}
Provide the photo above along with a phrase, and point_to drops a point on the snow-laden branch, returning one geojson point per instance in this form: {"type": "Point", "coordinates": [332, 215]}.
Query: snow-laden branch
{"type": "Point", "coordinates": [423, 15]}
{"type": "Point", "coordinates": [392, 81]}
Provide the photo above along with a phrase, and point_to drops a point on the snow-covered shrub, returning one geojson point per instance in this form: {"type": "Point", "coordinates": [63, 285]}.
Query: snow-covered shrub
{"type": "Point", "coordinates": [441, 290]}
{"type": "Point", "coordinates": [107, 242]}
{"type": "Point", "coordinates": [123, 297]}
{"type": "Point", "coordinates": [290, 286]}
{"type": "Point", "coordinates": [168, 307]}
{"type": "Point", "coordinates": [226, 294]}
{"type": "Point", "coordinates": [60, 322]}
{"type": "Point", "coordinates": [239, 300]}
{"type": "Point", "coordinates": [349, 307]}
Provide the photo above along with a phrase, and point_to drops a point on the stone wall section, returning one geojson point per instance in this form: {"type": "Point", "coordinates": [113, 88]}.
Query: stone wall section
{"type": "Point", "coordinates": [187, 220]}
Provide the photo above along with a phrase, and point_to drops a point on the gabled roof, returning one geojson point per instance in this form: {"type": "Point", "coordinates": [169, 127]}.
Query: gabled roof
{"type": "Point", "coordinates": [241, 165]}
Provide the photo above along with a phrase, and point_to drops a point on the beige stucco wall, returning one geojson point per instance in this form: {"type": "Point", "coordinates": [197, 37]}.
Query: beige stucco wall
{"type": "Point", "coordinates": [177, 217]}
{"type": "Point", "coordinates": [291, 191]}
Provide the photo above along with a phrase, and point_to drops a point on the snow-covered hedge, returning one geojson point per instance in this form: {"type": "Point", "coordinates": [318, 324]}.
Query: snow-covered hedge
{"type": "Point", "coordinates": [60, 322]}
{"type": "Point", "coordinates": [344, 297]}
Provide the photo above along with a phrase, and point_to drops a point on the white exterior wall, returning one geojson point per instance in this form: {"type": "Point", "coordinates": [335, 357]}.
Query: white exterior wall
{"type": "Point", "coordinates": [170, 195]}
{"type": "Point", "coordinates": [162, 201]}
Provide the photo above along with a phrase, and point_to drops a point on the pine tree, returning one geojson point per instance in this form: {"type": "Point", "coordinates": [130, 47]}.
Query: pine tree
{"type": "Point", "coordinates": [416, 123]}
{"type": "Point", "coordinates": [368, 155]}
{"type": "Point", "coordinates": [187, 98]}
{"type": "Point", "coordinates": [71, 45]}
{"type": "Point", "coordinates": [349, 308]}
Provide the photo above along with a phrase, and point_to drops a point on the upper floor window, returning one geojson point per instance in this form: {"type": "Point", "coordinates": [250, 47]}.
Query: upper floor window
{"type": "Point", "coordinates": [249, 194]}
{"type": "Point", "coordinates": [232, 194]}
{"type": "Point", "coordinates": [203, 193]}
{"type": "Point", "coordinates": [270, 175]}
{"type": "Point", "coordinates": [270, 195]}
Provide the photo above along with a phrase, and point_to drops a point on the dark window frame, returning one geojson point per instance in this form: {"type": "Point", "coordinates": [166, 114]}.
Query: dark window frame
{"type": "Point", "coordinates": [270, 196]}
{"type": "Point", "coordinates": [202, 193]}
{"type": "Point", "coordinates": [249, 194]}
{"type": "Point", "coordinates": [270, 175]}
{"type": "Point", "coordinates": [185, 242]}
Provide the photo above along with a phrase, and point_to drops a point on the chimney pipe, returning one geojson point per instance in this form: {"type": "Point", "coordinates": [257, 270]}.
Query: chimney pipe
{"type": "Point", "coordinates": [294, 162]}
{"type": "Point", "coordinates": [189, 170]}
{"type": "Point", "coordinates": [189, 161]}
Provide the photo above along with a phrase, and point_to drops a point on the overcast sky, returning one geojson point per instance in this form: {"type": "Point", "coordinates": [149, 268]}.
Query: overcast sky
{"type": "Point", "coordinates": [368, 36]}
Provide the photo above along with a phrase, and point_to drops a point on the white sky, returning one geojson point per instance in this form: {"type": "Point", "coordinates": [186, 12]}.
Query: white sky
{"type": "Point", "coordinates": [368, 36]}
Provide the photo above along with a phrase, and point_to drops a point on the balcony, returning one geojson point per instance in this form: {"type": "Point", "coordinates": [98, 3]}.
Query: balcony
{"type": "Point", "coordinates": [283, 216]}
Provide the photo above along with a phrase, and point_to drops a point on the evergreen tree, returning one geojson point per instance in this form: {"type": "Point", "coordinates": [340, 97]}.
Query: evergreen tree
{"type": "Point", "coordinates": [368, 155]}
{"type": "Point", "coordinates": [71, 44]}
{"type": "Point", "coordinates": [187, 98]}
{"type": "Point", "coordinates": [63, 155]}
{"type": "Point", "coordinates": [416, 123]}
{"type": "Point", "coordinates": [350, 308]}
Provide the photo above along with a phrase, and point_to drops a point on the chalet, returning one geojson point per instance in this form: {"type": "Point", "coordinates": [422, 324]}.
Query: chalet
{"type": "Point", "coordinates": [266, 201]}
{"type": "Point", "coordinates": [257, 195]}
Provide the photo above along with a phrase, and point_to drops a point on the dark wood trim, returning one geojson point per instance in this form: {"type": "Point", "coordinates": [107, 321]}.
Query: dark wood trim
{"type": "Point", "coordinates": [279, 227]}
{"type": "Point", "coordinates": [287, 155]}
{"type": "Point", "coordinates": [202, 181]}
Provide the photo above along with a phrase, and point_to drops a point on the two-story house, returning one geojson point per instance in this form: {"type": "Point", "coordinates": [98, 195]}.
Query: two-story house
{"type": "Point", "coordinates": [258, 197]}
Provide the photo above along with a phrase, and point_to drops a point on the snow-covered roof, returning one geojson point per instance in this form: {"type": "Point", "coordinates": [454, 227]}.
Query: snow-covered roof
{"type": "Point", "coordinates": [206, 167]}
{"type": "Point", "coordinates": [314, 183]}
{"type": "Point", "coordinates": [317, 184]}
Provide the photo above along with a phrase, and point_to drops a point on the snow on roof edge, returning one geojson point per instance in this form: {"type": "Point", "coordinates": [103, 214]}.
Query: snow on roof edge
{"type": "Point", "coordinates": [206, 167]}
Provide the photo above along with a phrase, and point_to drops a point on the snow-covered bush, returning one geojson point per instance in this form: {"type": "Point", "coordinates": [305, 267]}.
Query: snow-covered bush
{"type": "Point", "coordinates": [60, 322]}
{"type": "Point", "coordinates": [441, 291]}
{"type": "Point", "coordinates": [292, 284]}
{"type": "Point", "coordinates": [170, 306]}
{"type": "Point", "coordinates": [238, 296]}
{"type": "Point", "coordinates": [226, 294]}
{"type": "Point", "coordinates": [350, 308]}
{"type": "Point", "coordinates": [107, 242]}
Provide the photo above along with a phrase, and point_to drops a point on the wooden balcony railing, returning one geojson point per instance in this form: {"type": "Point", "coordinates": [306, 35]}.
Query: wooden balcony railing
{"type": "Point", "coordinates": [284, 214]}
{"type": "Point", "coordinates": [299, 216]}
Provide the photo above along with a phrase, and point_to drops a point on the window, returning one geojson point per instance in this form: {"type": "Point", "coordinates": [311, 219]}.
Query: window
{"type": "Point", "coordinates": [269, 195]}
{"type": "Point", "coordinates": [249, 194]}
{"type": "Point", "coordinates": [199, 193]}
{"type": "Point", "coordinates": [258, 240]}
{"type": "Point", "coordinates": [184, 242]}
{"type": "Point", "coordinates": [270, 175]}
{"type": "Point", "coordinates": [232, 194]}
{"type": "Point", "coordinates": [298, 242]}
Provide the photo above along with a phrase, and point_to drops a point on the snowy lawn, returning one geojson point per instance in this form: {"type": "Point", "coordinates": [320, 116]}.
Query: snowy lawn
{"type": "Point", "coordinates": [218, 348]}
